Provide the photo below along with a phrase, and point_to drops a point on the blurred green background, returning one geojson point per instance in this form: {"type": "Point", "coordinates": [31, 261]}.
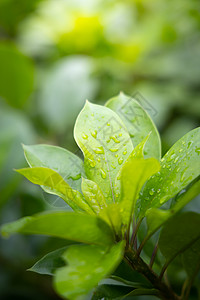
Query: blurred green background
{"type": "Point", "coordinates": [55, 54]}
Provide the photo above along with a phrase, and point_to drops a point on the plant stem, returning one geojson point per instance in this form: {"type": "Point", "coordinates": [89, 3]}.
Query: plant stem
{"type": "Point", "coordinates": [140, 266]}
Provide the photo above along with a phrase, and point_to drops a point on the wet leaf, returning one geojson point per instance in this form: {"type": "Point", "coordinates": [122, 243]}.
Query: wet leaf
{"type": "Point", "coordinates": [54, 184]}
{"type": "Point", "coordinates": [86, 266]}
{"type": "Point", "coordinates": [106, 145]}
{"type": "Point", "coordinates": [179, 167]}
{"type": "Point", "coordinates": [138, 122]}
{"type": "Point", "coordinates": [67, 164]}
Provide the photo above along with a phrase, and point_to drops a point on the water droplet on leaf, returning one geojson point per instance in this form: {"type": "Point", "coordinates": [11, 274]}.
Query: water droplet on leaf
{"type": "Point", "coordinates": [94, 134]}
{"type": "Point", "coordinates": [114, 149]}
{"type": "Point", "coordinates": [120, 161]}
{"type": "Point", "coordinates": [84, 136]}
{"type": "Point", "coordinates": [103, 173]}
{"type": "Point", "coordinates": [152, 191]}
{"type": "Point", "coordinates": [197, 150]}
{"type": "Point", "coordinates": [99, 150]}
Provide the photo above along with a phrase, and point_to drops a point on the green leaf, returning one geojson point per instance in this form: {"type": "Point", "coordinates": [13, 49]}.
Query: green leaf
{"type": "Point", "coordinates": [157, 217]}
{"type": "Point", "coordinates": [53, 183]}
{"type": "Point", "coordinates": [93, 195]}
{"type": "Point", "coordinates": [106, 145]}
{"type": "Point", "coordinates": [86, 266]}
{"type": "Point", "coordinates": [142, 291]}
{"type": "Point", "coordinates": [191, 259]}
{"type": "Point", "coordinates": [179, 167]}
{"type": "Point", "coordinates": [178, 234]}
{"type": "Point", "coordinates": [67, 225]}
{"type": "Point", "coordinates": [67, 164]}
{"type": "Point", "coordinates": [17, 75]}
{"type": "Point", "coordinates": [49, 263]}
{"type": "Point", "coordinates": [112, 215]}
{"type": "Point", "coordinates": [138, 152]}
{"type": "Point", "coordinates": [134, 174]}
{"type": "Point", "coordinates": [138, 122]}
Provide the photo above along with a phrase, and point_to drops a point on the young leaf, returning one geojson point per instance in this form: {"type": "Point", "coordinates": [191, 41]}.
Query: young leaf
{"type": "Point", "coordinates": [138, 152]}
{"type": "Point", "coordinates": [86, 266]}
{"type": "Point", "coordinates": [157, 217]}
{"type": "Point", "coordinates": [53, 183]}
{"type": "Point", "coordinates": [67, 225]}
{"type": "Point", "coordinates": [179, 167]}
{"type": "Point", "coordinates": [134, 175]}
{"type": "Point", "coordinates": [138, 123]}
{"type": "Point", "coordinates": [65, 163]}
{"type": "Point", "coordinates": [93, 195]}
{"type": "Point", "coordinates": [49, 263]}
{"type": "Point", "coordinates": [111, 214]}
{"type": "Point", "coordinates": [106, 145]}
{"type": "Point", "coordinates": [178, 234]}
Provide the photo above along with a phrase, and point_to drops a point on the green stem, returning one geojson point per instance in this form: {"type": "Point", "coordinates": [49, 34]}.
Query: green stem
{"type": "Point", "coordinates": [140, 266]}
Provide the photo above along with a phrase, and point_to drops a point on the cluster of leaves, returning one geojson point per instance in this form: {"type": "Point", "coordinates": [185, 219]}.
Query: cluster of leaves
{"type": "Point", "coordinates": [121, 183]}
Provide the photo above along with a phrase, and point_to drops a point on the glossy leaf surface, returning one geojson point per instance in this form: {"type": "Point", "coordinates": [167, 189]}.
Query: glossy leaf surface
{"type": "Point", "coordinates": [106, 145]}
{"type": "Point", "coordinates": [86, 266]}
{"type": "Point", "coordinates": [157, 217]}
{"type": "Point", "coordinates": [179, 167]}
{"type": "Point", "coordinates": [134, 175]}
{"type": "Point", "coordinates": [64, 162]}
{"type": "Point", "coordinates": [93, 195]}
{"type": "Point", "coordinates": [53, 183]}
{"type": "Point", "coordinates": [138, 123]}
{"type": "Point", "coordinates": [67, 225]}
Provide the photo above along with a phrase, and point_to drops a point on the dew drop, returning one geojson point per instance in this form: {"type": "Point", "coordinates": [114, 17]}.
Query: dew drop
{"type": "Point", "coordinates": [125, 152]}
{"type": "Point", "coordinates": [98, 159]}
{"type": "Point", "coordinates": [116, 155]}
{"type": "Point", "coordinates": [84, 136]}
{"type": "Point", "coordinates": [113, 166]}
{"type": "Point", "coordinates": [114, 139]}
{"type": "Point", "coordinates": [163, 199]}
{"type": "Point", "coordinates": [171, 157]}
{"type": "Point", "coordinates": [99, 150]}
{"type": "Point", "coordinates": [197, 150]}
{"type": "Point", "coordinates": [92, 115]}
{"type": "Point", "coordinates": [189, 144]}
{"type": "Point", "coordinates": [76, 177]}
{"type": "Point", "coordinates": [92, 163]}
{"type": "Point", "coordinates": [120, 134]}
{"type": "Point", "coordinates": [117, 195]}
{"type": "Point", "coordinates": [120, 161]}
{"type": "Point", "coordinates": [108, 124]}
{"type": "Point", "coordinates": [103, 173]}
{"type": "Point", "coordinates": [152, 191]}
{"type": "Point", "coordinates": [94, 134]}
{"type": "Point", "coordinates": [158, 191]}
{"type": "Point", "coordinates": [176, 159]}
{"type": "Point", "coordinates": [114, 149]}
{"type": "Point", "coordinates": [182, 177]}
{"type": "Point", "coordinates": [180, 150]}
